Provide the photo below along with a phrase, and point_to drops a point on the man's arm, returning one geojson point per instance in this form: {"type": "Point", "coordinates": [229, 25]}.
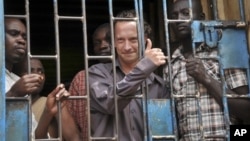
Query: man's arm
{"type": "Point", "coordinates": [237, 106]}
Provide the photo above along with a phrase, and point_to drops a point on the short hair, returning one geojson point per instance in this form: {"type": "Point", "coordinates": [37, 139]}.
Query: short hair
{"type": "Point", "coordinates": [102, 26]}
{"type": "Point", "coordinates": [23, 21]}
{"type": "Point", "coordinates": [132, 14]}
{"type": "Point", "coordinates": [197, 3]}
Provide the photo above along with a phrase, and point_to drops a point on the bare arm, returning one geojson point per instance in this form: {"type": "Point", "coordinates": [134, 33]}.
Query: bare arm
{"type": "Point", "coordinates": [50, 110]}
{"type": "Point", "coordinates": [70, 131]}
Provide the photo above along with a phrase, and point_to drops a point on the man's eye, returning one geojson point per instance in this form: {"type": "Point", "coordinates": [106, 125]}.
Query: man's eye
{"type": "Point", "coordinates": [186, 13]}
{"type": "Point", "coordinates": [174, 16]}
{"type": "Point", "coordinates": [134, 40]}
{"type": "Point", "coordinates": [24, 36]}
{"type": "Point", "coordinates": [97, 43]}
{"type": "Point", "coordinates": [40, 72]}
{"type": "Point", "coordinates": [120, 40]}
{"type": "Point", "coordinates": [16, 33]}
{"type": "Point", "coordinates": [13, 33]}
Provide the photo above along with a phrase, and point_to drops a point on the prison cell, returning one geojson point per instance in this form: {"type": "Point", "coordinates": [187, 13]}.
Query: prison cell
{"type": "Point", "coordinates": [166, 127]}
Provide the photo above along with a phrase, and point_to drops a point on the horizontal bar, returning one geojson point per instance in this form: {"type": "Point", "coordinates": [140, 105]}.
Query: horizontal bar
{"type": "Point", "coordinates": [15, 16]}
{"type": "Point", "coordinates": [26, 98]}
{"type": "Point", "coordinates": [100, 57]}
{"type": "Point", "coordinates": [124, 19]}
{"type": "Point", "coordinates": [103, 138]}
{"type": "Point", "coordinates": [164, 137]}
{"type": "Point", "coordinates": [77, 97]}
{"type": "Point", "coordinates": [70, 18]}
{"type": "Point", "coordinates": [44, 56]}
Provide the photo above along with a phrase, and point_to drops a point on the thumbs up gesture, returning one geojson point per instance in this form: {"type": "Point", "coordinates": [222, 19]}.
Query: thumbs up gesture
{"type": "Point", "coordinates": [155, 54]}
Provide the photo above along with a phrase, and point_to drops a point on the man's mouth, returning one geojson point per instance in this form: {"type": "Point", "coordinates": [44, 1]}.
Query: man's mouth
{"type": "Point", "coordinates": [21, 50]}
{"type": "Point", "coordinates": [181, 28]}
{"type": "Point", "coordinates": [105, 53]}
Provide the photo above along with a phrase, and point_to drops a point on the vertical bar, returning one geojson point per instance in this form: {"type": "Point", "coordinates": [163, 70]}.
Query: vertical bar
{"type": "Point", "coordinates": [167, 41]}
{"type": "Point", "coordinates": [27, 19]}
{"type": "Point", "coordinates": [86, 56]}
{"type": "Point", "coordinates": [58, 72]}
{"type": "Point", "coordinates": [111, 16]}
{"type": "Point", "coordinates": [242, 10]}
{"type": "Point", "coordinates": [215, 10]}
{"type": "Point", "coordinates": [2, 74]}
{"type": "Point", "coordinates": [140, 31]}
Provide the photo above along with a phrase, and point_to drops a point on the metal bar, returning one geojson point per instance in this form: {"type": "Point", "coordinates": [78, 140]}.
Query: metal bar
{"type": "Point", "coordinates": [167, 21]}
{"type": "Point", "coordinates": [101, 57]}
{"type": "Point", "coordinates": [58, 71]}
{"type": "Point", "coordinates": [70, 18]}
{"type": "Point", "coordinates": [85, 49]}
{"type": "Point", "coordinates": [43, 56]}
{"type": "Point", "coordinates": [140, 32]}
{"type": "Point", "coordinates": [111, 20]}
{"type": "Point", "coordinates": [16, 16]}
{"type": "Point", "coordinates": [28, 50]}
{"type": "Point", "coordinates": [215, 10]}
{"type": "Point", "coordinates": [2, 75]}
{"type": "Point", "coordinates": [242, 10]}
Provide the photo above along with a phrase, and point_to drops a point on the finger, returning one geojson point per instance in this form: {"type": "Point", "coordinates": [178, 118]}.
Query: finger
{"type": "Point", "coordinates": [149, 44]}
{"type": "Point", "coordinates": [60, 86]}
{"type": "Point", "coordinates": [166, 58]}
{"type": "Point", "coordinates": [56, 91]}
{"type": "Point", "coordinates": [41, 78]}
{"type": "Point", "coordinates": [66, 94]}
{"type": "Point", "coordinates": [62, 94]}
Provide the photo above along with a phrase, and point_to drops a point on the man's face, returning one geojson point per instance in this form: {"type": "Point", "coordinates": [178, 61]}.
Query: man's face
{"type": "Point", "coordinates": [37, 68]}
{"type": "Point", "coordinates": [181, 11]}
{"type": "Point", "coordinates": [101, 43]}
{"type": "Point", "coordinates": [126, 42]}
{"type": "Point", "coordinates": [15, 40]}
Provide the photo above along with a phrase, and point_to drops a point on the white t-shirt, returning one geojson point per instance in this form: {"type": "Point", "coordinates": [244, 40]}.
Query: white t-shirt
{"type": "Point", "coordinates": [10, 80]}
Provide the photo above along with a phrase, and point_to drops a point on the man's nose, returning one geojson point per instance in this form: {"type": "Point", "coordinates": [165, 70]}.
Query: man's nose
{"type": "Point", "coordinates": [21, 40]}
{"type": "Point", "coordinates": [105, 45]}
{"type": "Point", "coordinates": [181, 17]}
{"type": "Point", "coordinates": [127, 45]}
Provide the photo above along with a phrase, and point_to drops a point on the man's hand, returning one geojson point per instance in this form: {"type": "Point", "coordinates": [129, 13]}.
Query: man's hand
{"type": "Point", "coordinates": [155, 54]}
{"type": "Point", "coordinates": [26, 85]}
{"type": "Point", "coordinates": [196, 69]}
{"type": "Point", "coordinates": [59, 93]}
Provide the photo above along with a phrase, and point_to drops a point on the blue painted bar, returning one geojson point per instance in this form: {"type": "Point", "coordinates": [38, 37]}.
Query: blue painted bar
{"type": "Point", "coordinates": [2, 74]}
{"type": "Point", "coordinates": [160, 118]}
{"type": "Point", "coordinates": [17, 120]}
{"type": "Point", "coordinates": [233, 49]}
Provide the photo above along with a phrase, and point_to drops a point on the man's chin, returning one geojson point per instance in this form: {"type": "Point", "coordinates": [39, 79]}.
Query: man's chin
{"type": "Point", "coordinates": [183, 35]}
{"type": "Point", "coordinates": [18, 58]}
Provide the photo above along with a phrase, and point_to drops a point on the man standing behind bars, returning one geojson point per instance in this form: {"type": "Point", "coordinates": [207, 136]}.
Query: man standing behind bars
{"type": "Point", "coordinates": [192, 76]}
{"type": "Point", "coordinates": [131, 72]}
{"type": "Point", "coordinates": [78, 108]}
{"type": "Point", "coordinates": [15, 50]}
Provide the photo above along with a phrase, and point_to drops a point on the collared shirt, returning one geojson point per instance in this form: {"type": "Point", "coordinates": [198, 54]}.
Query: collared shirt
{"type": "Point", "coordinates": [187, 108]}
{"type": "Point", "coordinates": [10, 80]}
{"type": "Point", "coordinates": [130, 111]}
{"type": "Point", "coordinates": [78, 107]}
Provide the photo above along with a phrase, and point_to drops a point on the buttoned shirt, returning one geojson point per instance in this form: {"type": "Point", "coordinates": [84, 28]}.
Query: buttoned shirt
{"type": "Point", "coordinates": [130, 110]}
{"type": "Point", "coordinates": [212, 119]}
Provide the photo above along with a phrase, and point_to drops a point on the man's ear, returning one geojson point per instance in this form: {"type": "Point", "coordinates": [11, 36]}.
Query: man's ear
{"type": "Point", "coordinates": [202, 16]}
